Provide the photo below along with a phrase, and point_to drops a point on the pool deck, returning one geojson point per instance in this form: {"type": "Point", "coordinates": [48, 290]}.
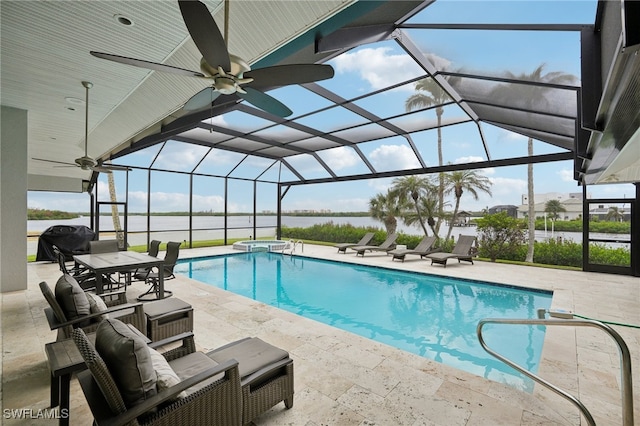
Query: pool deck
{"type": "Point", "coordinates": [345, 379]}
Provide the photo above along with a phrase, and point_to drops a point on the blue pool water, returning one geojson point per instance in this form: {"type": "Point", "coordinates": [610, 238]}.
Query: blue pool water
{"type": "Point", "coordinates": [431, 316]}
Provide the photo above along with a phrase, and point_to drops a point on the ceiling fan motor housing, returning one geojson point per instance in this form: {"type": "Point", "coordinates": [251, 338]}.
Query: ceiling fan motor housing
{"type": "Point", "coordinates": [86, 162]}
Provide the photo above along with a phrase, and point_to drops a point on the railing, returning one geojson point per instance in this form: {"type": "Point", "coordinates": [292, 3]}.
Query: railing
{"type": "Point", "coordinates": [567, 319]}
{"type": "Point", "coordinates": [292, 247]}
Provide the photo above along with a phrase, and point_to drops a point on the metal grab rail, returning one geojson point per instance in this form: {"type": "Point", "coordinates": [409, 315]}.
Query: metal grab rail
{"type": "Point", "coordinates": [292, 244]}
{"type": "Point", "coordinates": [625, 359]}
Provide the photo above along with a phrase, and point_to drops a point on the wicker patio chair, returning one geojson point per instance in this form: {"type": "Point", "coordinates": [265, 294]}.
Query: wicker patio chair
{"type": "Point", "coordinates": [201, 391]}
{"type": "Point", "coordinates": [266, 375]}
{"type": "Point", "coordinates": [64, 320]}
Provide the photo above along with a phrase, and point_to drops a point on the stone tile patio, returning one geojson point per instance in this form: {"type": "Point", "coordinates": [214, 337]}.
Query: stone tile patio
{"type": "Point", "coordinates": [345, 379]}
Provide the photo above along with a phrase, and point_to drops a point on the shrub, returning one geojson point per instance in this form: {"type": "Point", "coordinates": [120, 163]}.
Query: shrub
{"type": "Point", "coordinates": [498, 235]}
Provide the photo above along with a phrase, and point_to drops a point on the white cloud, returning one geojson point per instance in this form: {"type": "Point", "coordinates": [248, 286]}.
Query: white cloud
{"type": "Point", "coordinates": [566, 175]}
{"type": "Point", "coordinates": [475, 159]}
{"type": "Point", "coordinates": [380, 185]}
{"type": "Point", "coordinates": [503, 187]}
{"type": "Point", "coordinates": [340, 158]}
{"type": "Point", "coordinates": [178, 159]}
{"type": "Point", "coordinates": [379, 68]}
{"type": "Point", "coordinates": [512, 136]}
{"type": "Point", "coordinates": [393, 157]}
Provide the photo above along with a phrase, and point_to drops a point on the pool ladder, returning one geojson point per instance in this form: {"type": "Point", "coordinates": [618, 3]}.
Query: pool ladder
{"type": "Point", "coordinates": [291, 245]}
{"type": "Point", "coordinates": [626, 388]}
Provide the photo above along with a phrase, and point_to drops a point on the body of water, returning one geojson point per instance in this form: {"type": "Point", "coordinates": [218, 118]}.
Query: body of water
{"type": "Point", "coordinates": [165, 227]}
{"type": "Point", "coordinates": [431, 316]}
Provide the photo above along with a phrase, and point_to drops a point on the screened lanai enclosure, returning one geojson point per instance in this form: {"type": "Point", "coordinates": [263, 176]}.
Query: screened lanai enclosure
{"type": "Point", "coordinates": [418, 88]}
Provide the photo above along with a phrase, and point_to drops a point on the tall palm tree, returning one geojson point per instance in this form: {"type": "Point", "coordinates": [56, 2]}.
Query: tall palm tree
{"type": "Point", "coordinates": [115, 215]}
{"type": "Point", "coordinates": [530, 97]}
{"type": "Point", "coordinates": [429, 93]}
{"type": "Point", "coordinates": [554, 208]}
{"type": "Point", "coordinates": [412, 188]}
{"type": "Point", "coordinates": [458, 182]}
{"type": "Point", "coordinates": [384, 207]}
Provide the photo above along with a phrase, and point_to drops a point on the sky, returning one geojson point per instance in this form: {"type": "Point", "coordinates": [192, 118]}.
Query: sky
{"type": "Point", "coordinates": [363, 70]}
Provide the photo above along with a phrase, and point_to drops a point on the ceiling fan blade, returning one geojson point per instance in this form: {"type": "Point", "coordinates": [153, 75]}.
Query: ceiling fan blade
{"type": "Point", "coordinates": [205, 33]}
{"type": "Point", "coordinates": [146, 64]}
{"type": "Point", "coordinates": [106, 168]}
{"type": "Point", "coordinates": [54, 161]}
{"type": "Point", "coordinates": [283, 75]}
{"type": "Point", "coordinates": [265, 102]}
{"type": "Point", "coordinates": [202, 99]}
{"type": "Point", "coordinates": [101, 169]}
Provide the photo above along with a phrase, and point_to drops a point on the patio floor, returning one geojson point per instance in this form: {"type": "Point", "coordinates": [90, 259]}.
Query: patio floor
{"type": "Point", "coordinates": [345, 379]}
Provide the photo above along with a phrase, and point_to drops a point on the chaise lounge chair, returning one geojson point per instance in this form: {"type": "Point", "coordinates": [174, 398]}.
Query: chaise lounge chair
{"type": "Point", "coordinates": [342, 247]}
{"type": "Point", "coordinates": [388, 245]}
{"type": "Point", "coordinates": [461, 251]}
{"type": "Point", "coordinates": [231, 385]}
{"type": "Point", "coordinates": [424, 248]}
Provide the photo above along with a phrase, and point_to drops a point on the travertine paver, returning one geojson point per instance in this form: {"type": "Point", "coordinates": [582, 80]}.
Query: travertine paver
{"type": "Point", "coordinates": [343, 379]}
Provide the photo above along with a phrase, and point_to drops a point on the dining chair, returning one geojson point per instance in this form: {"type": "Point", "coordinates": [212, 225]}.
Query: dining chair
{"type": "Point", "coordinates": [151, 277]}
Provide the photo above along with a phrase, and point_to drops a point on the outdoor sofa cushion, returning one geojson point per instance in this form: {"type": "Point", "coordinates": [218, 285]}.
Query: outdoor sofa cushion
{"type": "Point", "coordinates": [71, 297]}
{"type": "Point", "coordinates": [127, 357]}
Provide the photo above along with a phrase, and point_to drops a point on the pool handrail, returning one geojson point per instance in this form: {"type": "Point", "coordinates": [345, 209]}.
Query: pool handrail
{"type": "Point", "coordinates": [626, 388]}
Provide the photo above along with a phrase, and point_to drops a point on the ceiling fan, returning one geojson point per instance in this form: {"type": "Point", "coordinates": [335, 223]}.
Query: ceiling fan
{"type": "Point", "coordinates": [229, 73]}
{"type": "Point", "coordinates": [85, 162]}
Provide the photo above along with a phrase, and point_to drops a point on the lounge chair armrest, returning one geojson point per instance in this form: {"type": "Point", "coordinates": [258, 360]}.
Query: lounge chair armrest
{"type": "Point", "coordinates": [164, 396]}
{"type": "Point", "coordinates": [54, 324]}
{"type": "Point", "coordinates": [172, 339]}
{"type": "Point", "coordinates": [264, 371]}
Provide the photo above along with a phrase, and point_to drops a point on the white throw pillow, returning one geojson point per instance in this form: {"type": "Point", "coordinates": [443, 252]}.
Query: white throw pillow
{"type": "Point", "coordinates": [166, 376]}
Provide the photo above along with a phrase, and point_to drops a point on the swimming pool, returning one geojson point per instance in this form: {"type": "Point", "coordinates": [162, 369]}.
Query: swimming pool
{"type": "Point", "coordinates": [431, 316]}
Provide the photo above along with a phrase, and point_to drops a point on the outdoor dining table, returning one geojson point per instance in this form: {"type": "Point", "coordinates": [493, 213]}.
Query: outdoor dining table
{"type": "Point", "coordinates": [122, 262]}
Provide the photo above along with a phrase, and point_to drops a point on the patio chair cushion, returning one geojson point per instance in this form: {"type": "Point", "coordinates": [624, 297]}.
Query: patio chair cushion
{"type": "Point", "coordinates": [96, 304]}
{"type": "Point", "coordinates": [71, 297]}
{"type": "Point", "coordinates": [166, 376]}
{"type": "Point", "coordinates": [193, 364]}
{"type": "Point", "coordinates": [252, 355]}
{"type": "Point", "coordinates": [126, 354]}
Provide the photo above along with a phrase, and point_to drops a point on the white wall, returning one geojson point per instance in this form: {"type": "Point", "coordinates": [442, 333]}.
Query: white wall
{"type": "Point", "coordinates": [13, 199]}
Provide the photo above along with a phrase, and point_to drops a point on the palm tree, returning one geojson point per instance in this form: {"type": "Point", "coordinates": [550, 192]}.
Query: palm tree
{"type": "Point", "coordinates": [115, 215]}
{"type": "Point", "coordinates": [615, 214]}
{"type": "Point", "coordinates": [553, 208]}
{"type": "Point", "coordinates": [412, 188]}
{"type": "Point", "coordinates": [530, 96]}
{"type": "Point", "coordinates": [430, 93]}
{"type": "Point", "coordinates": [428, 205]}
{"type": "Point", "coordinates": [384, 207]}
{"type": "Point", "coordinates": [465, 180]}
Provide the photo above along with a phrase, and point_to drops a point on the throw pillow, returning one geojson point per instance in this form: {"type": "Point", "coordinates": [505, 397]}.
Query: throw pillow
{"type": "Point", "coordinates": [166, 376]}
{"type": "Point", "coordinates": [126, 354]}
{"type": "Point", "coordinates": [71, 297]}
{"type": "Point", "coordinates": [96, 304]}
